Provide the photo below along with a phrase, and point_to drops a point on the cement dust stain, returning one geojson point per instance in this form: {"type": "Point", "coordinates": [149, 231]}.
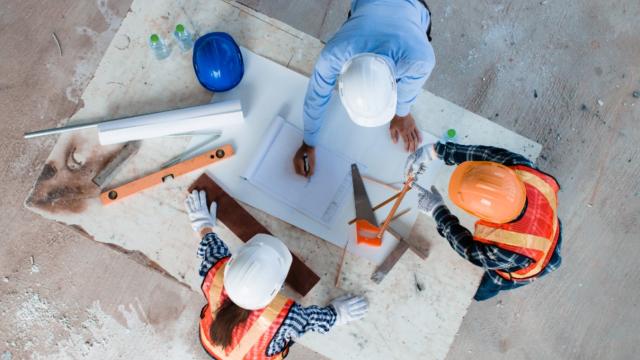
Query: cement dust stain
{"type": "Point", "coordinates": [85, 67]}
{"type": "Point", "coordinates": [101, 336]}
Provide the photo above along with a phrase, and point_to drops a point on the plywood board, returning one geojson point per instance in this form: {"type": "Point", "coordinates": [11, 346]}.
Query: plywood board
{"type": "Point", "coordinates": [403, 322]}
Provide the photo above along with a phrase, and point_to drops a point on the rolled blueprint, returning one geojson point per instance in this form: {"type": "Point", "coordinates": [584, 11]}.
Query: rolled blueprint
{"type": "Point", "coordinates": [214, 116]}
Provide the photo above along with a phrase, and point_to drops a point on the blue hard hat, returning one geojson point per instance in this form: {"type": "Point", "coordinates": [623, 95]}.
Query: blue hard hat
{"type": "Point", "coordinates": [217, 61]}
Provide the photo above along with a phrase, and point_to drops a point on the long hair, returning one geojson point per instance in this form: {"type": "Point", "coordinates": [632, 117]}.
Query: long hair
{"type": "Point", "coordinates": [228, 316]}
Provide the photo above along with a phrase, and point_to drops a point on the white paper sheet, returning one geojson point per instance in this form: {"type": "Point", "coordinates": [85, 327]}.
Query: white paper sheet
{"type": "Point", "coordinates": [208, 117]}
{"type": "Point", "coordinates": [320, 196]}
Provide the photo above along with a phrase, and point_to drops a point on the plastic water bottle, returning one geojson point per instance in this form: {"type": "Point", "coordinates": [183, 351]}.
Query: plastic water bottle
{"type": "Point", "coordinates": [183, 37]}
{"type": "Point", "coordinates": [429, 177]}
{"type": "Point", "coordinates": [158, 46]}
{"type": "Point", "coordinates": [450, 135]}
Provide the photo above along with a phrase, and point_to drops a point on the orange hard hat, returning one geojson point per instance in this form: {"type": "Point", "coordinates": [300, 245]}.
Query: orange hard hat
{"type": "Point", "coordinates": [488, 190]}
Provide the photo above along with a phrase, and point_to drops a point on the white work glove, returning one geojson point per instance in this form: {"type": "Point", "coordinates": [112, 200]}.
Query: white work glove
{"type": "Point", "coordinates": [417, 162]}
{"type": "Point", "coordinates": [349, 308]}
{"type": "Point", "coordinates": [199, 215]}
{"type": "Point", "coordinates": [428, 201]}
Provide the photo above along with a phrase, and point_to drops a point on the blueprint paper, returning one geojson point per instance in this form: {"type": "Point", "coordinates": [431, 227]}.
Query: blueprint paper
{"type": "Point", "coordinates": [318, 197]}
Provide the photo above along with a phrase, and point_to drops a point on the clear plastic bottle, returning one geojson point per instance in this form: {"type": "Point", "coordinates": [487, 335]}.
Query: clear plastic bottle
{"type": "Point", "coordinates": [183, 37]}
{"type": "Point", "coordinates": [450, 135]}
{"type": "Point", "coordinates": [158, 46]}
{"type": "Point", "coordinates": [428, 178]}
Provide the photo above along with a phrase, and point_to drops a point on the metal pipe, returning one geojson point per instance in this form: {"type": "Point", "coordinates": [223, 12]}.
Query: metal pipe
{"type": "Point", "coordinates": [191, 151]}
{"type": "Point", "coordinates": [61, 130]}
{"type": "Point", "coordinates": [224, 107]}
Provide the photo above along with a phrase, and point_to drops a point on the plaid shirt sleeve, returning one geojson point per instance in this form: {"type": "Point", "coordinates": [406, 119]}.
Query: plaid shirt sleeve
{"type": "Point", "coordinates": [212, 249]}
{"type": "Point", "coordinates": [487, 256]}
{"type": "Point", "coordinates": [453, 154]}
{"type": "Point", "coordinates": [300, 320]}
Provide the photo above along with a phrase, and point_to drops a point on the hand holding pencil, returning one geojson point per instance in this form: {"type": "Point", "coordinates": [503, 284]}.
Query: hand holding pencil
{"type": "Point", "coordinates": [304, 160]}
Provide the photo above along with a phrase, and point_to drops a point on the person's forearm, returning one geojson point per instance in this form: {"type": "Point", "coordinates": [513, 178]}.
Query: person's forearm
{"type": "Point", "coordinates": [212, 249]}
{"type": "Point", "coordinates": [205, 231]}
{"type": "Point", "coordinates": [461, 240]}
{"type": "Point", "coordinates": [454, 154]}
{"type": "Point", "coordinates": [300, 320]}
{"type": "Point", "coordinates": [311, 318]}
{"type": "Point", "coordinates": [458, 236]}
{"type": "Point", "coordinates": [319, 91]}
{"type": "Point", "coordinates": [320, 319]}
{"type": "Point", "coordinates": [312, 122]}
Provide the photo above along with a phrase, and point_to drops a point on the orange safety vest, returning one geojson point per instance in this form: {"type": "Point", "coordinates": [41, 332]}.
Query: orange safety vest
{"type": "Point", "coordinates": [535, 233]}
{"type": "Point", "coordinates": [251, 338]}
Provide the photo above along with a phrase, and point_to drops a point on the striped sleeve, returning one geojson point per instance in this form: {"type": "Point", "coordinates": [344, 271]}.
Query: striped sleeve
{"type": "Point", "coordinates": [487, 256]}
{"type": "Point", "coordinates": [212, 249]}
{"type": "Point", "coordinates": [300, 320]}
{"type": "Point", "coordinates": [453, 154]}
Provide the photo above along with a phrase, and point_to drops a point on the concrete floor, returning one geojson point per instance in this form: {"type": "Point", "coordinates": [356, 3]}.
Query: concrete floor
{"type": "Point", "coordinates": [559, 72]}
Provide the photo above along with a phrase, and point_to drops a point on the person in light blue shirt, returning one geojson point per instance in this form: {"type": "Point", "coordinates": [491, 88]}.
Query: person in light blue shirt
{"type": "Point", "coordinates": [380, 59]}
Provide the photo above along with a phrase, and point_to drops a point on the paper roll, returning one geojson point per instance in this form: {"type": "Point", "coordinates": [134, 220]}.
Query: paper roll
{"type": "Point", "coordinates": [214, 116]}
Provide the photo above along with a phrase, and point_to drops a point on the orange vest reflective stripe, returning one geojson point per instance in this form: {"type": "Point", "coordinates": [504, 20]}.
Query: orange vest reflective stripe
{"type": "Point", "coordinates": [251, 338]}
{"type": "Point", "coordinates": [535, 233]}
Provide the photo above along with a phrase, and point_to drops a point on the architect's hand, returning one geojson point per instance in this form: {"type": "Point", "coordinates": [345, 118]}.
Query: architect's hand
{"type": "Point", "coordinates": [298, 160]}
{"type": "Point", "coordinates": [200, 216]}
{"type": "Point", "coordinates": [405, 127]}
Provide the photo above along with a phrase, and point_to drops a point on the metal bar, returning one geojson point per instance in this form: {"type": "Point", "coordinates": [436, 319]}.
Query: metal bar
{"type": "Point", "coordinates": [61, 130]}
{"type": "Point", "coordinates": [197, 133]}
{"type": "Point", "coordinates": [191, 151]}
{"type": "Point", "coordinates": [70, 128]}
{"type": "Point", "coordinates": [385, 267]}
{"type": "Point", "coordinates": [107, 174]}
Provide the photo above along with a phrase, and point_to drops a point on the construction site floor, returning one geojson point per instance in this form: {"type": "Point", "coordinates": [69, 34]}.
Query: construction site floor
{"type": "Point", "coordinates": [560, 73]}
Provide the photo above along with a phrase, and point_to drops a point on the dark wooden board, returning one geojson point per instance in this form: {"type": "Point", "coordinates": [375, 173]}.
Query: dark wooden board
{"type": "Point", "coordinates": [301, 278]}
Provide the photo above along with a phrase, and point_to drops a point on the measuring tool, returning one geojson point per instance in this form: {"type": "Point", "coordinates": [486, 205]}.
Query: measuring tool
{"type": "Point", "coordinates": [171, 172]}
{"type": "Point", "coordinates": [104, 177]}
{"type": "Point", "coordinates": [400, 197]}
{"type": "Point", "coordinates": [190, 152]}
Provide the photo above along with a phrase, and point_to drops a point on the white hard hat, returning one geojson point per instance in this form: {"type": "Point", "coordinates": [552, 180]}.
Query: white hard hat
{"type": "Point", "coordinates": [255, 274]}
{"type": "Point", "coordinates": [368, 90]}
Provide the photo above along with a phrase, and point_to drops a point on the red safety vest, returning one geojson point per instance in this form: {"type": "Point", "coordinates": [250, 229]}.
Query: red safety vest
{"type": "Point", "coordinates": [251, 338]}
{"type": "Point", "coordinates": [535, 233]}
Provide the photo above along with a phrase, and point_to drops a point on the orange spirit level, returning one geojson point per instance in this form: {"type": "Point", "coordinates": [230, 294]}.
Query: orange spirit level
{"type": "Point", "coordinates": [181, 168]}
